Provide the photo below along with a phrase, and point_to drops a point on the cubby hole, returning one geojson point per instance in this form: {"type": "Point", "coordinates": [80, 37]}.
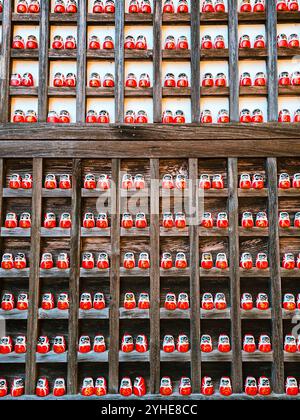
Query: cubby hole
{"type": "Point", "coordinates": [91, 370]}
{"type": "Point", "coordinates": [216, 371]}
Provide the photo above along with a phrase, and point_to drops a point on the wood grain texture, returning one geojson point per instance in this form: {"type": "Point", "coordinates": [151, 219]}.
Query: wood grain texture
{"type": "Point", "coordinates": [119, 62]}
{"type": "Point", "coordinates": [233, 60]}
{"type": "Point", "coordinates": [235, 291]}
{"type": "Point", "coordinates": [157, 57]}
{"type": "Point", "coordinates": [195, 328]}
{"type": "Point", "coordinates": [114, 280]}
{"type": "Point", "coordinates": [154, 278]}
{"type": "Point", "coordinates": [43, 62]}
{"type": "Point", "coordinates": [272, 62]}
{"type": "Point", "coordinates": [195, 60]}
{"type": "Point", "coordinates": [81, 61]}
{"type": "Point", "coordinates": [5, 61]}
{"type": "Point", "coordinates": [74, 278]}
{"type": "Point", "coordinates": [276, 293]}
{"type": "Point", "coordinates": [34, 281]}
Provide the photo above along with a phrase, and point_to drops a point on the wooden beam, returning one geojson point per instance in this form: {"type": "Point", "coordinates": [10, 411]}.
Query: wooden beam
{"type": "Point", "coordinates": [157, 59]}
{"type": "Point", "coordinates": [154, 278]}
{"type": "Point", "coordinates": [119, 61]}
{"type": "Point", "coordinates": [276, 293]}
{"type": "Point", "coordinates": [114, 279]}
{"type": "Point", "coordinates": [5, 61]}
{"type": "Point", "coordinates": [272, 61]}
{"type": "Point", "coordinates": [195, 60]}
{"type": "Point", "coordinates": [194, 276]}
{"type": "Point", "coordinates": [75, 257]}
{"type": "Point", "coordinates": [235, 289]}
{"type": "Point", "coordinates": [43, 62]}
{"type": "Point", "coordinates": [34, 280]}
{"type": "Point", "coordinates": [81, 62]}
{"type": "Point", "coordinates": [233, 42]}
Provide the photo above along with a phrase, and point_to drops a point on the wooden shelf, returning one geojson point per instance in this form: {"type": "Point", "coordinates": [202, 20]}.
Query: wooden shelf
{"type": "Point", "coordinates": [215, 314]}
{"type": "Point", "coordinates": [94, 314]}
{"type": "Point", "coordinates": [13, 314]}
{"type": "Point", "coordinates": [253, 192]}
{"type": "Point", "coordinates": [19, 193]}
{"type": "Point", "coordinates": [23, 91]}
{"type": "Point", "coordinates": [291, 192]}
{"type": "Point", "coordinates": [53, 314]}
{"type": "Point", "coordinates": [135, 272]}
{"type": "Point", "coordinates": [254, 272]}
{"type": "Point", "coordinates": [253, 232]}
{"type": "Point", "coordinates": [214, 272]}
{"type": "Point", "coordinates": [62, 54]}
{"type": "Point", "coordinates": [55, 273]}
{"type": "Point", "coordinates": [291, 314]}
{"type": "Point", "coordinates": [63, 17]}
{"type": "Point", "coordinates": [93, 357]}
{"type": "Point", "coordinates": [175, 356]}
{"type": "Point", "coordinates": [214, 54]}
{"type": "Point", "coordinates": [13, 358]}
{"type": "Point", "coordinates": [100, 92]}
{"type": "Point", "coordinates": [59, 314]}
{"type": "Point", "coordinates": [135, 232]}
{"type": "Point", "coordinates": [216, 356]}
{"type": "Point", "coordinates": [253, 91]}
{"type": "Point", "coordinates": [289, 232]}
{"type": "Point", "coordinates": [94, 193]}
{"type": "Point", "coordinates": [213, 18]}
{"type": "Point", "coordinates": [257, 356]}
{"type": "Point", "coordinates": [289, 273]}
{"type": "Point", "coordinates": [101, 54]}
{"type": "Point", "coordinates": [138, 92]}
{"type": "Point", "coordinates": [252, 17]}
{"type": "Point", "coordinates": [288, 52]}
{"type": "Point", "coordinates": [288, 17]}
{"type": "Point", "coordinates": [134, 313]}
{"type": "Point", "coordinates": [175, 272]}
{"type": "Point", "coordinates": [292, 357]}
{"type": "Point", "coordinates": [253, 53]}
{"type": "Point", "coordinates": [174, 232]}
{"type": "Point", "coordinates": [15, 233]}
{"type": "Point", "coordinates": [55, 233]}
{"type": "Point", "coordinates": [56, 193]}
{"type": "Point", "coordinates": [176, 314]}
{"type": "Point", "coordinates": [14, 273]}
{"type": "Point", "coordinates": [94, 272]}
{"type": "Point", "coordinates": [94, 232]}
{"type": "Point", "coordinates": [101, 18]}
{"type": "Point", "coordinates": [138, 54]}
{"type": "Point", "coordinates": [289, 90]}
{"type": "Point", "coordinates": [26, 18]}
{"type": "Point", "coordinates": [174, 92]}
{"type": "Point", "coordinates": [134, 356]}
{"type": "Point", "coordinates": [27, 54]}
{"type": "Point", "coordinates": [215, 231]}
{"type": "Point", "coordinates": [212, 193]}
{"type": "Point", "coordinates": [51, 357]}
{"type": "Point", "coordinates": [256, 314]}
{"type": "Point", "coordinates": [62, 91]}
{"type": "Point", "coordinates": [214, 91]}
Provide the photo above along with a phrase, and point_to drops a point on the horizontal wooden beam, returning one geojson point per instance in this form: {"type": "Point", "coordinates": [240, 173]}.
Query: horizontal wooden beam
{"type": "Point", "coordinates": [267, 132]}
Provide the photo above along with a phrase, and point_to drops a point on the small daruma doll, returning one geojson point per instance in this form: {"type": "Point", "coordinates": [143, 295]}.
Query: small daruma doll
{"type": "Point", "coordinates": [246, 79]}
{"type": "Point", "coordinates": [264, 344]}
{"type": "Point", "coordinates": [264, 386]}
{"type": "Point", "coordinates": [100, 387]}
{"type": "Point", "coordinates": [126, 387]}
{"type": "Point", "coordinates": [262, 302]}
{"type": "Point", "coordinates": [207, 302]}
{"type": "Point", "coordinates": [20, 344]}
{"type": "Point", "coordinates": [85, 301]}
{"type": "Point", "coordinates": [144, 261]}
{"type": "Point", "coordinates": [17, 387]}
{"type": "Point", "coordinates": [144, 301]}
{"type": "Point", "coordinates": [166, 261]}
{"type": "Point", "coordinates": [166, 387]}
{"type": "Point", "coordinates": [63, 301]}
{"type": "Point", "coordinates": [221, 261]}
{"type": "Point", "coordinates": [141, 343]}
{"type": "Point", "coordinates": [3, 387]}
{"type": "Point", "coordinates": [103, 261]}
{"type": "Point", "coordinates": [99, 301]}
{"type": "Point", "coordinates": [43, 345]}
{"type": "Point", "coordinates": [47, 261]}
{"type": "Point", "coordinates": [222, 220]}
{"type": "Point", "coordinates": [129, 301]}
{"type": "Point", "coordinates": [7, 302]}
{"type": "Point", "coordinates": [84, 345]}
{"type": "Point", "coordinates": [289, 302]}
{"type": "Point", "coordinates": [246, 261]}
{"type": "Point", "coordinates": [180, 220]}
{"type": "Point", "coordinates": [181, 261]}
{"type": "Point", "coordinates": [290, 344]}
{"type": "Point", "coordinates": [185, 386]}
{"type": "Point", "coordinates": [288, 262]}
{"type": "Point", "coordinates": [249, 345]}
{"type": "Point", "coordinates": [7, 262]}
{"type": "Point", "coordinates": [261, 220]}
{"type": "Point", "coordinates": [20, 261]}
{"type": "Point", "coordinates": [88, 261]}
{"type": "Point", "coordinates": [220, 302]}
{"type": "Point", "coordinates": [140, 221]}
{"type": "Point", "coordinates": [246, 302]}
{"type": "Point", "coordinates": [291, 386]}
{"type": "Point", "coordinates": [129, 261]}
{"type": "Point", "coordinates": [206, 345]}
{"type": "Point", "coordinates": [245, 6]}
{"type": "Point", "coordinates": [207, 387]}
{"type": "Point", "coordinates": [59, 344]}
{"type": "Point", "coordinates": [168, 344]}
{"type": "Point", "coordinates": [170, 302]}
{"type": "Point", "coordinates": [224, 344]}
{"type": "Point", "coordinates": [225, 387]}
{"type": "Point", "coordinates": [127, 345]}
{"type": "Point", "coordinates": [6, 345]}
{"type": "Point", "coordinates": [262, 261]}
{"type": "Point", "coordinates": [183, 301]}
{"type": "Point", "coordinates": [22, 302]}
{"type": "Point", "coordinates": [207, 261]}
{"type": "Point", "coordinates": [48, 302]}
{"type": "Point", "coordinates": [87, 388]}
{"type": "Point", "coordinates": [250, 386]}
{"type": "Point", "coordinates": [59, 387]}
{"type": "Point", "coordinates": [102, 221]}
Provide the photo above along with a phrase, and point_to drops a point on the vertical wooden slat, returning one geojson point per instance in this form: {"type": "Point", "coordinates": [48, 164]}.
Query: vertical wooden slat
{"type": "Point", "coordinates": [2, 175]}
{"type": "Point", "coordinates": [5, 61]}
{"type": "Point", "coordinates": [272, 61]}
{"type": "Point", "coordinates": [195, 60]}
{"type": "Point", "coordinates": [81, 61]}
{"type": "Point", "coordinates": [236, 371]}
{"type": "Point", "coordinates": [43, 62]}
{"type": "Point", "coordinates": [119, 61]}
{"type": "Point", "coordinates": [157, 59]}
{"type": "Point", "coordinates": [154, 279]}
{"type": "Point", "coordinates": [276, 293]}
{"type": "Point", "coordinates": [195, 275]}
{"type": "Point", "coordinates": [34, 281]}
{"type": "Point", "coordinates": [233, 60]}
{"type": "Point", "coordinates": [74, 278]}
{"type": "Point", "coordinates": [114, 279]}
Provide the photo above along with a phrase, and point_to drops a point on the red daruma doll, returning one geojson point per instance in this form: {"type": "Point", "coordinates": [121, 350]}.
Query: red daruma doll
{"type": "Point", "coordinates": [296, 181]}
{"type": "Point", "coordinates": [127, 345]}
{"type": "Point", "coordinates": [180, 220]}
{"type": "Point", "coordinates": [246, 261]}
{"type": "Point", "coordinates": [225, 387]}
{"type": "Point", "coordinates": [145, 6]}
{"type": "Point", "coordinates": [49, 221]}
{"type": "Point", "coordinates": [293, 41]}
{"type": "Point", "coordinates": [222, 220]}
{"type": "Point", "coordinates": [139, 386]}
{"type": "Point", "coordinates": [144, 301]}
{"type": "Point", "coordinates": [133, 6]}
{"type": "Point", "coordinates": [65, 221]}
{"type": "Point", "coordinates": [297, 220]}
{"type": "Point", "coordinates": [20, 261]}
{"type": "Point", "coordinates": [47, 301]}
{"type": "Point", "coordinates": [185, 386]}
{"type": "Point", "coordinates": [207, 6]}
{"type": "Point", "coordinates": [183, 6]}
{"type": "Point", "coordinates": [284, 220]}
{"type": "Point", "coordinates": [264, 344]}
{"type": "Point", "coordinates": [47, 261]}
{"type": "Point", "coordinates": [63, 301]}
{"type": "Point", "coordinates": [15, 181]}
{"type": "Point", "coordinates": [224, 344]}
{"type": "Point", "coordinates": [290, 344]}
{"type": "Point", "coordinates": [293, 5]}
{"type": "Point", "coordinates": [99, 301]}
{"type": "Point", "coordinates": [207, 302]}
{"type": "Point", "coordinates": [245, 42]}
{"type": "Point", "coordinates": [141, 43]}
{"type": "Point", "coordinates": [140, 221]}
{"type": "Point", "coordinates": [7, 262]}
{"type": "Point", "coordinates": [11, 221]}
{"type": "Point", "coordinates": [180, 182]}
{"type": "Point", "coordinates": [183, 301]}
{"type": "Point", "coordinates": [284, 181]}
{"type": "Point", "coordinates": [8, 302]}
{"type": "Point", "coordinates": [170, 302]}
{"type": "Point", "coordinates": [207, 220]}
{"type": "Point", "coordinates": [259, 41]}
{"type": "Point", "coordinates": [262, 261]}
{"type": "Point", "coordinates": [219, 42]}
{"type": "Point", "coordinates": [139, 182]}
{"type": "Point", "coordinates": [17, 387]}
{"type": "Point", "coordinates": [205, 182]}
{"type": "Point", "coordinates": [206, 117]}
{"type": "Point", "coordinates": [208, 80]}
{"type": "Point", "coordinates": [59, 387]}
{"type": "Point", "coordinates": [257, 116]}
{"type": "Point", "coordinates": [103, 261]}
{"type": "Point", "coordinates": [251, 386]}
{"type": "Point", "coordinates": [207, 261]}
{"type": "Point", "coordinates": [141, 343]}
{"type": "Point", "coordinates": [259, 6]}
{"type": "Point", "coordinates": [168, 344]}
{"type": "Point", "coordinates": [182, 344]}
{"type": "Point", "coordinates": [99, 345]}
{"type": "Point", "coordinates": [166, 261]}
{"type": "Point", "coordinates": [245, 6]}
{"type": "Point", "coordinates": [262, 302]}
{"type": "Point", "coordinates": [220, 302]}
{"type": "Point", "coordinates": [32, 42]}
{"type": "Point", "coordinates": [84, 345]}
{"type": "Point", "coordinates": [129, 301]}
{"type": "Point", "coordinates": [246, 302]}
{"type": "Point", "coordinates": [264, 386]}
{"type": "Point", "coordinates": [144, 261]}
{"type": "Point", "coordinates": [100, 387]}
{"type": "Point", "coordinates": [167, 182]}
{"type": "Point", "coordinates": [108, 43]}
{"type": "Point", "coordinates": [59, 344]}
{"type": "Point", "coordinates": [102, 221]}
{"type": "Point", "coordinates": [18, 43]}
{"type": "Point", "coordinates": [42, 387]}
{"type": "Point", "coordinates": [166, 387]}
{"type": "Point", "coordinates": [129, 261]}
{"type": "Point", "coordinates": [20, 344]}
{"type": "Point", "coordinates": [207, 387]}
{"type": "Point", "coordinates": [181, 261]}
{"type": "Point", "coordinates": [86, 301]}
{"type": "Point", "coordinates": [89, 221]}
{"type": "Point", "coordinates": [22, 302]}
{"type": "Point", "coordinates": [65, 182]}
{"type": "Point", "coordinates": [6, 345]}
{"type": "Point", "coordinates": [109, 6]}
{"type": "Point", "coordinates": [249, 345]}
{"type": "Point", "coordinates": [88, 261]}
{"type": "Point", "coordinates": [297, 116]}
{"type": "Point", "coordinates": [288, 262]}
{"type": "Point", "coordinates": [43, 345]}
{"type": "Point", "coordinates": [25, 221]}
{"type": "Point", "coordinates": [221, 261]}
{"type": "Point", "coordinates": [3, 387]}
{"type": "Point", "coordinates": [15, 80]}
{"type": "Point", "coordinates": [245, 181]}
{"type": "Point", "coordinates": [206, 345]}
{"type": "Point", "coordinates": [261, 220]}
{"type": "Point", "coordinates": [168, 6]}
{"type": "Point", "coordinates": [260, 79]}
{"type": "Point", "coordinates": [87, 388]}
{"type": "Point", "coordinates": [291, 386]}
{"type": "Point", "coordinates": [182, 81]}
{"type": "Point", "coordinates": [126, 387]}
{"type": "Point", "coordinates": [63, 262]}
{"type": "Point", "coordinates": [284, 116]}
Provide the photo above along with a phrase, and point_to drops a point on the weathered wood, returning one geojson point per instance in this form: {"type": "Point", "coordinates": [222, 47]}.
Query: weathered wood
{"type": "Point", "coordinates": [119, 62]}
{"type": "Point", "coordinates": [235, 289]}
{"type": "Point", "coordinates": [5, 61]}
{"type": "Point", "coordinates": [154, 278]}
{"type": "Point", "coordinates": [233, 60]}
{"type": "Point", "coordinates": [276, 294]}
{"type": "Point", "coordinates": [195, 60]}
{"type": "Point", "coordinates": [114, 279]}
{"type": "Point", "coordinates": [81, 61]}
{"type": "Point", "coordinates": [157, 57]}
{"type": "Point", "coordinates": [34, 281]}
{"type": "Point", "coordinates": [74, 277]}
{"type": "Point", "coordinates": [43, 62]}
{"type": "Point", "coordinates": [272, 62]}
{"type": "Point", "coordinates": [194, 274]}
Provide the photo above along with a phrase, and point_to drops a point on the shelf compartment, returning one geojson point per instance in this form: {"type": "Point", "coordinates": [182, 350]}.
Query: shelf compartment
{"type": "Point", "coordinates": [54, 273]}
{"type": "Point", "coordinates": [135, 232]}
{"type": "Point", "coordinates": [256, 314]}
{"type": "Point", "coordinates": [94, 272]}
{"type": "Point", "coordinates": [24, 273]}
{"type": "Point", "coordinates": [253, 91]}
{"type": "Point", "coordinates": [288, 52]}
{"type": "Point", "coordinates": [94, 314]}
{"type": "Point", "coordinates": [15, 233]}
{"type": "Point", "coordinates": [56, 193]}
{"type": "Point", "coordinates": [253, 53]}
{"type": "Point", "coordinates": [62, 91]}
{"type": "Point", "coordinates": [53, 314]}
{"type": "Point", "coordinates": [134, 313]}
{"type": "Point", "coordinates": [13, 314]}
{"type": "Point", "coordinates": [51, 357]}
{"type": "Point", "coordinates": [18, 193]}
{"type": "Point", "coordinates": [95, 232]}
{"type": "Point", "coordinates": [55, 233]}
{"type": "Point", "coordinates": [25, 18]}
{"type": "Point", "coordinates": [102, 18]}
{"type": "Point", "coordinates": [214, 231]}
{"type": "Point", "coordinates": [24, 91]}
{"type": "Point", "coordinates": [13, 358]}
{"type": "Point", "coordinates": [30, 54]}
{"type": "Point", "coordinates": [93, 357]}
{"type": "Point", "coordinates": [134, 356]}
{"type": "Point", "coordinates": [253, 192]}
{"type": "Point", "coordinates": [288, 17]}
{"type": "Point", "coordinates": [257, 356]}
{"type": "Point", "coordinates": [175, 356]}
{"type": "Point", "coordinates": [214, 272]}
{"type": "Point", "coordinates": [253, 232]}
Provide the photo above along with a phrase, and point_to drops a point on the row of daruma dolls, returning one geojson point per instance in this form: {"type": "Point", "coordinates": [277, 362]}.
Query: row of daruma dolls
{"type": "Point", "coordinates": [168, 117]}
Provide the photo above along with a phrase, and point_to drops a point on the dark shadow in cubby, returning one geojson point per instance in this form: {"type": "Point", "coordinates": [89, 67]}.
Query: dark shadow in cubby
{"type": "Point", "coordinates": [251, 166]}
{"type": "Point", "coordinates": [257, 328]}
{"type": "Point", "coordinates": [254, 246]}
{"type": "Point", "coordinates": [133, 370]}
{"type": "Point", "coordinates": [93, 327]}
{"type": "Point", "coordinates": [53, 327]}
{"type": "Point", "coordinates": [13, 328]}
{"type": "Point", "coordinates": [139, 326]}
{"type": "Point", "coordinates": [214, 245]}
{"type": "Point", "coordinates": [178, 326]}
{"type": "Point", "coordinates": [16, 166]}
{"type": "Point", "coordinates": [52, 371]}
{"type": "Point", "coordinates": [290, 165]}
{"type": "Point", "coordinates": [216, 285]}
{"type": "Point", "coordinates": [94, 285]}
{"type": "Point", "coordinates": [92, 370]}
{"type": "Point", "coordinates": [21, 205]}
{"type": "Point", "coordinates": [11, 285]}
{"type": "Point", "coordinates": [257, 369]}
{"type": "Point", "coordinates": [216, 371]}
{"type": "Point", "coordinates": [256, 285]}
{"type": "Point", "coordinates": [213, 167]}
{"type": "Point", "coordinates": [215, 328]}
{"type": "Point", "coordinates": [96, 167]}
